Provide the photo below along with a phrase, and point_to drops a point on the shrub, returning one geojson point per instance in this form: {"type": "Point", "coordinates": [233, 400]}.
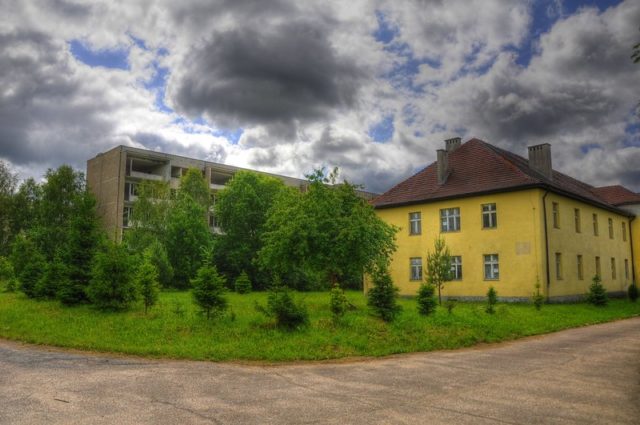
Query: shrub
{"type": "Point", "coordinates": [597, 293]}
{"type": "Point", "coordinates": [537, 299]}
{"type": "Point", "coordinates": [426, 299]}
{"type": "Point", "coordinates": [382, 297]}
{"type": "Point", "coordinates": [450, 304]}
{"type": "Point", "coordinates": [492, 300]}
{"type": "Point", "coordinates": [112, 286]}
{"type": "Point", "coordinates": [243, 284]}
{"type": "Point", "coordinates": [7, 275]}
{"type": "Point", "coordinates": [28, 262]}
{"type": "Point", "coordinates": [633, 292]}
{"type": "Point", "coordinates": [146, 280]}
{"type": "Point", "coordinates": [157, 254]}
{"type": "Point", "coordinates": [338, 303]}
{"type": "Point", "coordinates": [55, 275]}
{"type": "Point", "coordinates": [283, 309]}
{"type": "Point", "coordinates": [208, 290]}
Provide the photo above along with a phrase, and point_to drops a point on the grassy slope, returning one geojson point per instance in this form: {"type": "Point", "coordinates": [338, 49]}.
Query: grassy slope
{"type": "Point", "coordinates": [167, 332]}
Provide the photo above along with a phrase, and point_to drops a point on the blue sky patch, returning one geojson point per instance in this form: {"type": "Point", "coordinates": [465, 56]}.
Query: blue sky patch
{"type": "Point", "coordinates": [383, 131]}
{"type": "Point", "coordinates": [233, 136]}
{"type": "Point", "coordinates": [589, 147]}
{"type": "Point", "coordinates": [385, 32]}
{"type": "Point", "coordinates": [116, 58]}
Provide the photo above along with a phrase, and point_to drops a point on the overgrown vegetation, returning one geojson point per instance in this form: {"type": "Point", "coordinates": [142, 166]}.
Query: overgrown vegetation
{"type": "Point", "coordinates": [632, 292]}
{"type": "Point", "coordinates": [537, 299]}
{"type": "Point", "coordinates": [492, 300]}
{"type": "Point", "coordinates": [338, 303]}
{"type": "Point", "coordinates": [243, 284]}
{"type": "Point", "coordinates": [283, 309]}
{"type": "Point", "coordinates": [426, 299]}
{"type": "Point", "coordinates": [383, 296]}
{"type": "Point", "coordinates": [208, 290]}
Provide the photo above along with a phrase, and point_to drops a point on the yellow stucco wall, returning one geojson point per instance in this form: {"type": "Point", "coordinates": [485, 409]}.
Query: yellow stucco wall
{"type": "Point", "coordinates": [519, 242]}
{"type": "Point", "coordinates": [569, 243]}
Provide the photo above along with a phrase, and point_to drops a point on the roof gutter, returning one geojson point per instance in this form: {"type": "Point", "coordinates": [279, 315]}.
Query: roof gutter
{"type": "Point", "coordinates": [546, 242]}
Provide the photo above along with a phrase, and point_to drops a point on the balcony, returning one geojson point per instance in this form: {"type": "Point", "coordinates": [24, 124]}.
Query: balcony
{"type": "Point", "coordinates": [147, 176]}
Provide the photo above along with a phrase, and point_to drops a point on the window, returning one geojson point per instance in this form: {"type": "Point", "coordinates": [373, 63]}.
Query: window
{"type": "Point", "coordinates": [595, 225]}
{"type": "Point", "coordinates": [580, 268]}
{"type": "Point", "coordinates": [450, 218]}
{"type": "Point", "coordinates": [556, 215]}
{"type": "Point", "coordinates": [213, 223]}
{"type": "Point", "coordinates": [613, 268]}
{"type": "Point", "coordinates": [416, 268]}
{"type": "Point", "coordinates": [130, 191]}
{"type": "Point", "coordinates": [626, 268]}
{"type": "Point", "coordinates": [610, 228]}
{"type": "Point", "coordinates": [126, 216]}
{"type": "Point", "coordinates": [456, 268]}
{"type": "Point", "coordinates": [624, 231]}
{"type": "Point", "coordinates": [598, 269]}
{"type": "Point", "coordinates": [491, 267]}
{"type": "Point", "coordinates": [576, 213]}
{"type": "Point", "coordinates": [558, 266]}
{"type": "Point", "coordinates": [489, 216]}
{"type": "Point", "coordinates": [415, 223]}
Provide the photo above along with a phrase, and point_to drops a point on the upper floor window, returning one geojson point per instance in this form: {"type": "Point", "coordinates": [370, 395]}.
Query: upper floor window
{"type": "Point", "coordinates": [624, 231]}
{"type": "Point", "coordinates": [489, 216]}
{"type": "Point", "coordinates": [491, 267]}
{"type": "Point", "coordinates": [556, 215]}
{"type": "Point", "coordinates": [416, 268]}
{"type": "Point", "coordinates": [610, 228]}
{"type": "Point", "coordinates": [456, 267]}
{"type": "Point", "coordinates": [415, 223]}
{"type": "Point", "coordinates": [450, 219]}
{"type": "Point", "coordinates": [595, 225]}
{"type": "Point", "coordinates": [576, 213]}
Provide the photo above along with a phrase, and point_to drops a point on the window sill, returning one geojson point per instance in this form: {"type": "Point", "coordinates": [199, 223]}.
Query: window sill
{"type": "Point", "coordinates": [487, 279]}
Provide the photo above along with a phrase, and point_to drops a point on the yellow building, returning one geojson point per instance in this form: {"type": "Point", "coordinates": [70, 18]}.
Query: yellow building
{"type": "Point", "coordinates": [510, 222]}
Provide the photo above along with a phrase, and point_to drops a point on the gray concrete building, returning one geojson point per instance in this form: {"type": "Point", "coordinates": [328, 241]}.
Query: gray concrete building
{"type": "Point", "coordinates": [113, 177]}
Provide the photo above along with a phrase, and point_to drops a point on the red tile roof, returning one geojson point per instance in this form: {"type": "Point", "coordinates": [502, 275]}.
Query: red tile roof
{"type": "Point", "coordinates": [477, 167]}
{"type": "Point", "coordinates": [617, 195]}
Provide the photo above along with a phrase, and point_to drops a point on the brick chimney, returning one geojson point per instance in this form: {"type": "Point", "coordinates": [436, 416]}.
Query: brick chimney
{"type": "Point", "coordinates": [443, 165]}
{"type": "Point", "coordinates": [540, 159]}
{"type": "Point", "coordinates": [452, 144]}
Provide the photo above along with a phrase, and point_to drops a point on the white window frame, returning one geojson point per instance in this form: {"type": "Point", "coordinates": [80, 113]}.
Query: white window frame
{"type": "Point", "coordinates": [415, 223]}
{"type": "Point", "coordinates": [415, 268]}
{"type": "Point", "coordinates": [456, 267]}
{"type": "Point", "coordinates": [490, 212]}
{"type": "Point", "coordinates": [127, 214]}
{"type": "Point", "coordinates": [450, 219]}
{"type": "Point", "coordinates": [492, 266]}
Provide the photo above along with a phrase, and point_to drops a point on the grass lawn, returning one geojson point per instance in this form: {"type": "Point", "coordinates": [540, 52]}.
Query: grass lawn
{"type": "Point", "coordinates": [176, 329]}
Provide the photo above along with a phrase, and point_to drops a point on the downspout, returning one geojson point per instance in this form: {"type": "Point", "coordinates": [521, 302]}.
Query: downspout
{"type": "Point", "coordinates": [546, 241]}
{"type": "Point", "coordinates": [633, 259]}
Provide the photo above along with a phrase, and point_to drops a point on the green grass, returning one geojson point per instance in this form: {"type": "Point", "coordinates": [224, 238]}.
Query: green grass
{"type": "Point", "coordinates": [176, 329]}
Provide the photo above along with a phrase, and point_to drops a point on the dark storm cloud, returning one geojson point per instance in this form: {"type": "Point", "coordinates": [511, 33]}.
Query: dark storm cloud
{"type": "Point", "coordinates": [280, 74]}
{"type": "Point", "coordinates": [38, 120]}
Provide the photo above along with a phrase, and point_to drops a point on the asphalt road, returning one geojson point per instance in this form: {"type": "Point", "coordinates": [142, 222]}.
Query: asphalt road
{"type": "Point", "coordinates": [579, 376]}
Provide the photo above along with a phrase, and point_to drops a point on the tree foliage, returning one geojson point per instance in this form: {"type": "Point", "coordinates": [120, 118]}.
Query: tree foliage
{"type": "Point", "coordinates": [112, 286]}
{"type": "Point", "coordinates": [187, 228]}
{"type": "Point", "coordinates": [150, 215]}
{"type": "Point", "coordinates": [28, 262]}
{"type": "Point", "coordinates": [632, 292]}
{"type": "Point", "coordinates": [597, 294]}
{"type": "Point", "coordinates": [243, 284]}
{"type": "Point", "coordinates": [439, 266]}
{"type": "Point", "coordinates": [492, 300]}
{"type": "Point", "coordinates": [426, 299]}
{"type": "Point", "coordinates": [8, 182]}
{"type": "Point", "coordinates": [283, 309]}
{"type": "Point", "coordinates": [338, 303]}
{"type": "Point", "coordinates": [157, 255]}
{"type": "Point", "coordinates": [327, 231]}
{"type": "Point", "coordinates": [382, 298]}
{"type": "Point", "coordinates": [54, 277]}
{"type": "Point", "coordinates": [208, 290]}
{"type": "Point", "coordinates": [146, 280]}
{"type": "Point", "coordinates": [241, 209]}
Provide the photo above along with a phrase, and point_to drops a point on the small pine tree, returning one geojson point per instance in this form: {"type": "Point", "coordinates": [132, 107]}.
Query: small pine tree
{"type": "Point", "coordinates": [492, 300]}
{"type": "Point", "coordinates": [55, 275]}
{"type": "Point", "coordinates": [338, 303]}
{"type": "Point", "coordinates": [597, 293]}
{"type": "Point", "coordinates": [158, 256]}
{"type": "Point", "coordinates": [382, 297]}
{"type": "Point", "coordinates": [281, 306]}
{"type": "Point", "coordinates": [243, 283]}
{"type": "Point", "coordinates": [29, 264]}
{"type": "Point", "coordinates": [537, 298]}
{"type": "Point", "coordinates": [633, 292]}
{"type": "Point", "coordinates": [426, 299]}
{"type": "Point", "coordinates": [208, 290]}
{"type": "Point", "coordinates": [146, 280]}
{"type": "Point", "coordinates": [112, 286]}
{"type": "Point", "coordinates": [439, 266]}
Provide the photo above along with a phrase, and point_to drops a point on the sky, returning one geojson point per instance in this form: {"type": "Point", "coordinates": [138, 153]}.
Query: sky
{"type": "Point", "coordinates": [372, 87]}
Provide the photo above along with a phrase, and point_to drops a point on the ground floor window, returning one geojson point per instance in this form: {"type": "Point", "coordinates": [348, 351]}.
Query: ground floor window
{"type": "Point", "coordinates": [491, 267]}
{"type": "Point", "coordinates": [456, 267]}
{"type": "Point", "coordinates": [416, 268]}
